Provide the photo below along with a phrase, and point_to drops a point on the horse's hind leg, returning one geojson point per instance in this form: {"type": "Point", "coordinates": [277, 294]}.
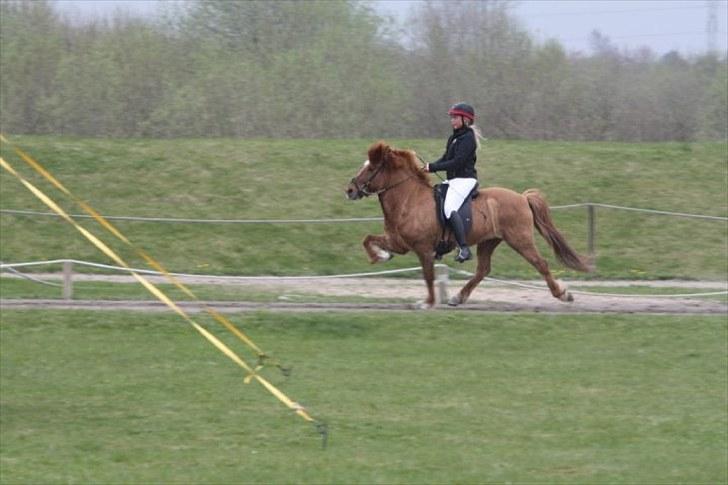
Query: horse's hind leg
{"type": "Point", "coordinates": [528, 250]}
{"type": "Point", "coordinates": [485, 251]}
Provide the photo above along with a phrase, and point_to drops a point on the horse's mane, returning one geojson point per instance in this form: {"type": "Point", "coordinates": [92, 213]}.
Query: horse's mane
{"type": "Point", "coordinates": [395, 159]}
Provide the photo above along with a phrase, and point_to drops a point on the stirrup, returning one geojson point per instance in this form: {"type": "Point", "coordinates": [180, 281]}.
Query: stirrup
{"type": "Point", "coordinates": [464, 254]}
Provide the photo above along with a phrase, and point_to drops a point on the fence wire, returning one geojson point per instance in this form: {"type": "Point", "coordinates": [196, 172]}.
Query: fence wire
{"type": "Point", "coordinates": [12, 266]}
{"type": "Point", "coordinates": [337, 220]}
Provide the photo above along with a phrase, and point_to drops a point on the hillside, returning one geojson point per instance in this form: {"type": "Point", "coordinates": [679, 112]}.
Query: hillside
{"type": "Point", "coordinates": [299, 179]}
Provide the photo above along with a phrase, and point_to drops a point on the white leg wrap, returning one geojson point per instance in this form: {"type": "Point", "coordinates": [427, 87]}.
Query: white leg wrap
{"type": "Point", "coordinates": [382, 254]}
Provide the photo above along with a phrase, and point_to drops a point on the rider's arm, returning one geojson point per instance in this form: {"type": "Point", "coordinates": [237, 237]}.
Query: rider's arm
{"type": "Point", "coordinates": [439, 160]}
{"type": "Point", "coordinates": [464, 149]}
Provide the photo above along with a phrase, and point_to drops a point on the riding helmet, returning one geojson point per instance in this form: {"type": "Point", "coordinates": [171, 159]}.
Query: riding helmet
{"type": "Point", "coordinates": [462, 109]}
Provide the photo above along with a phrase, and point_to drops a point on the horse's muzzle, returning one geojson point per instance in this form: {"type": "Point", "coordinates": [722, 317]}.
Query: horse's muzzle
{"type": "Point", "coordinates": [353, 191]}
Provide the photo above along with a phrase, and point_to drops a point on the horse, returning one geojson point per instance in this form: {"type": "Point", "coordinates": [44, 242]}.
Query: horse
{"type": "Point", "coordinates": [498, 214]}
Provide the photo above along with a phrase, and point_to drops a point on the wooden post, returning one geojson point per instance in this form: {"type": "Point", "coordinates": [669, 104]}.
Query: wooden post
{"type": "Point", "coordinates": [590, 241]}
{"type": "Point", "coordinates": [67, 280]}
{"type": "Point", "coordinates": [441, 278]}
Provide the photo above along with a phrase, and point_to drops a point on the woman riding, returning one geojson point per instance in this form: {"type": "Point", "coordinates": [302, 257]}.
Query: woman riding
{"type": "Point", "coordinates": [459, 162]}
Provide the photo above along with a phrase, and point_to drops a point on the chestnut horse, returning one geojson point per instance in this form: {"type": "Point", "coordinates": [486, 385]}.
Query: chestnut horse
{"type": "Point", "coordinates": [410, 222]}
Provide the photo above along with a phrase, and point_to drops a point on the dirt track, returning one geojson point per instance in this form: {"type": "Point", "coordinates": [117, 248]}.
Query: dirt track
{"type": "Point", "coordinates": [488, 297]}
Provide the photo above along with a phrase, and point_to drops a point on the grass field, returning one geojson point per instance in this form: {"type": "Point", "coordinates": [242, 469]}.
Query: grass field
{"type": "Point", "coordinates": [256, 179]}
{"type": "Point", "coordinates": [117, 397]}
{"type": "Point", "coordinates": [121, 397]}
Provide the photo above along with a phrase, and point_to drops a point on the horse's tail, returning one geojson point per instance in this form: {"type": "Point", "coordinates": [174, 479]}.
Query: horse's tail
{"type": "Point", "coordinates": [545, 225]}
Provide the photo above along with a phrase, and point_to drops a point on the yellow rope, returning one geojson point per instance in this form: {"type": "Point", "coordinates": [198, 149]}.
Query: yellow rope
{"type": "Point", "coordinates": [251, 373]}
{"type": "Point", "coordinates": [262, 356]}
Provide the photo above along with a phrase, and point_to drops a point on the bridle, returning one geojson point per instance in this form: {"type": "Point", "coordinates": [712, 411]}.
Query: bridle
{"type": "Point", "coordinates": [363, 190]}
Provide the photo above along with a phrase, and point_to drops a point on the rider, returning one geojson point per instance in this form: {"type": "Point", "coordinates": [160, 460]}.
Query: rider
{"type": "Point", "coordinates": [459, 162]}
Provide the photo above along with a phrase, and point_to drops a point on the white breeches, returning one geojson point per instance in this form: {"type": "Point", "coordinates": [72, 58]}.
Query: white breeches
{"type": "Point", "coordinates": [459, 189]}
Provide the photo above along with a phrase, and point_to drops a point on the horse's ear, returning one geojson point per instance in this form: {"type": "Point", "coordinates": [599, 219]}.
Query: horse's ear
{"type": "Point", "coordinates": [379, 152]}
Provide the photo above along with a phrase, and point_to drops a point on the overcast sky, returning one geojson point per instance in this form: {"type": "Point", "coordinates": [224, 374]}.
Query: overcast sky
{"type": "Point", "coordinates": [662, 25]}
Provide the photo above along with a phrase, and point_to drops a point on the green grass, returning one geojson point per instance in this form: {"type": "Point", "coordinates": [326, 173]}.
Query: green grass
{"type": "Point", "coordinates": [121, 397]}
{"type": "Point", "coordinates": [257, 179]}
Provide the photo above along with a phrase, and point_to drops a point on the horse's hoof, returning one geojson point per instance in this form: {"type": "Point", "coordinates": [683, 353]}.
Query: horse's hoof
{"type": "Point", "coordinates": [423, 305]}
{"type": "Point", "coordinates": [455, 300]}
{"type": "Point", "coordinates": [383, 255]}
{"type": "Point", "coordinates": [565, 295]}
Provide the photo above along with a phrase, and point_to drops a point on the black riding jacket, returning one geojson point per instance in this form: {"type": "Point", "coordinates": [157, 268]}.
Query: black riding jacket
{"type": "Point", "coordinates": [459, 158]}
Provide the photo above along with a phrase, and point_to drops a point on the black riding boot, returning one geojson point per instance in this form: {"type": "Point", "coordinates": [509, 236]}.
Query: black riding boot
{"type": "Point", "coordinates": [458, 229]}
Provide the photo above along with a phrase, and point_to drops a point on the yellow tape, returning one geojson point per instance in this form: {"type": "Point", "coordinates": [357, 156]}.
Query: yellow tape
{"type": "Point", "coordinates": [262, 356]}
{"type": "Point", "coordinates": [252, 373]}
{"type": "Point", "coordinates": [118, 260]}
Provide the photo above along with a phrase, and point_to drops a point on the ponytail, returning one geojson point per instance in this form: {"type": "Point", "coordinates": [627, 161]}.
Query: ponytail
{"type": "Point", "coordinates": [478, 134]}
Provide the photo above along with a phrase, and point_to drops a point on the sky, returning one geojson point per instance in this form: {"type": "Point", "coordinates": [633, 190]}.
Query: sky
{"type": "Point", "coordinates": [662, 25]}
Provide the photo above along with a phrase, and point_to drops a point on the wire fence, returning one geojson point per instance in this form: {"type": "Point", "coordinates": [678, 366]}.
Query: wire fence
{"type": "Point", "coordinates": [590, 207]}
{"type": "Point", "coordinates": [181, 220]}
{"type": "Point", "coordinates": [443, 271]}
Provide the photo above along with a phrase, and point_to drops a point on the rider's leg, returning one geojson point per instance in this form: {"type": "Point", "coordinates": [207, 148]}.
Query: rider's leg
{"type": "Point", "coordinates": [458, 229]}
{"type": "Point", "coordinates": [459, 189]}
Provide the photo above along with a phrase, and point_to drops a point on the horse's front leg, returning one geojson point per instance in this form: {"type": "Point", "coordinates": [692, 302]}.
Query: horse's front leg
{"type": "Point", "coordinates": [379, 248]}
{"type": "Point", "coordinates": [428, 273]}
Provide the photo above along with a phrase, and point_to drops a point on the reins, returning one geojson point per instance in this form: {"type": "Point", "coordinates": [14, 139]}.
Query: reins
{"type": "Point", "coordinates": [381, 191]}
{"type": "Point", "coordinates": [424, 164]}
{"type": "Point", "coordinates": [364, 188]}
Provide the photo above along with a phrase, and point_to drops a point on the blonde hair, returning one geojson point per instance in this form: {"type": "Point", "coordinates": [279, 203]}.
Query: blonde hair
{"type": "Point", "coordinates": [478, 134]}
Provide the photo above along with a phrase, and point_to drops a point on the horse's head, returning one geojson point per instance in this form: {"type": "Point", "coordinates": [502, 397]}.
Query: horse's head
{"type": "Point", "coordinates": [371, 177]}
{"type": "Point", "coordinates": [386, 168]}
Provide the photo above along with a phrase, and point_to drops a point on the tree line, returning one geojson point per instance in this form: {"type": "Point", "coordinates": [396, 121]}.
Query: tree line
{"type": "Point", "coordinates": [321, 68]}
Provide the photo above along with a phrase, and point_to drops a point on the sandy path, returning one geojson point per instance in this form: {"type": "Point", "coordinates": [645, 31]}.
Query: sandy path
{"type": "Point", "coordinates": [489, 296]}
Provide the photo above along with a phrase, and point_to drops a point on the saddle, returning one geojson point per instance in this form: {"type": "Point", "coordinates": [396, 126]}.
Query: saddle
{"type": "Point", "coordinates": [447, 244]}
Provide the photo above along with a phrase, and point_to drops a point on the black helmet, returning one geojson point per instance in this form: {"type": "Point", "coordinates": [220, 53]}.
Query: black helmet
{"type": "Point", "coordinates": [462, 109]}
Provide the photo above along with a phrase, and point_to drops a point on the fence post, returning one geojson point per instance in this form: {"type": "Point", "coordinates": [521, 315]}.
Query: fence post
{"type": "Point", "coordinates": [590, 241]}
{"type": "Point", "coordinates": [442, 275]}
{"type": "Point", "coordinates": [67, 280]}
